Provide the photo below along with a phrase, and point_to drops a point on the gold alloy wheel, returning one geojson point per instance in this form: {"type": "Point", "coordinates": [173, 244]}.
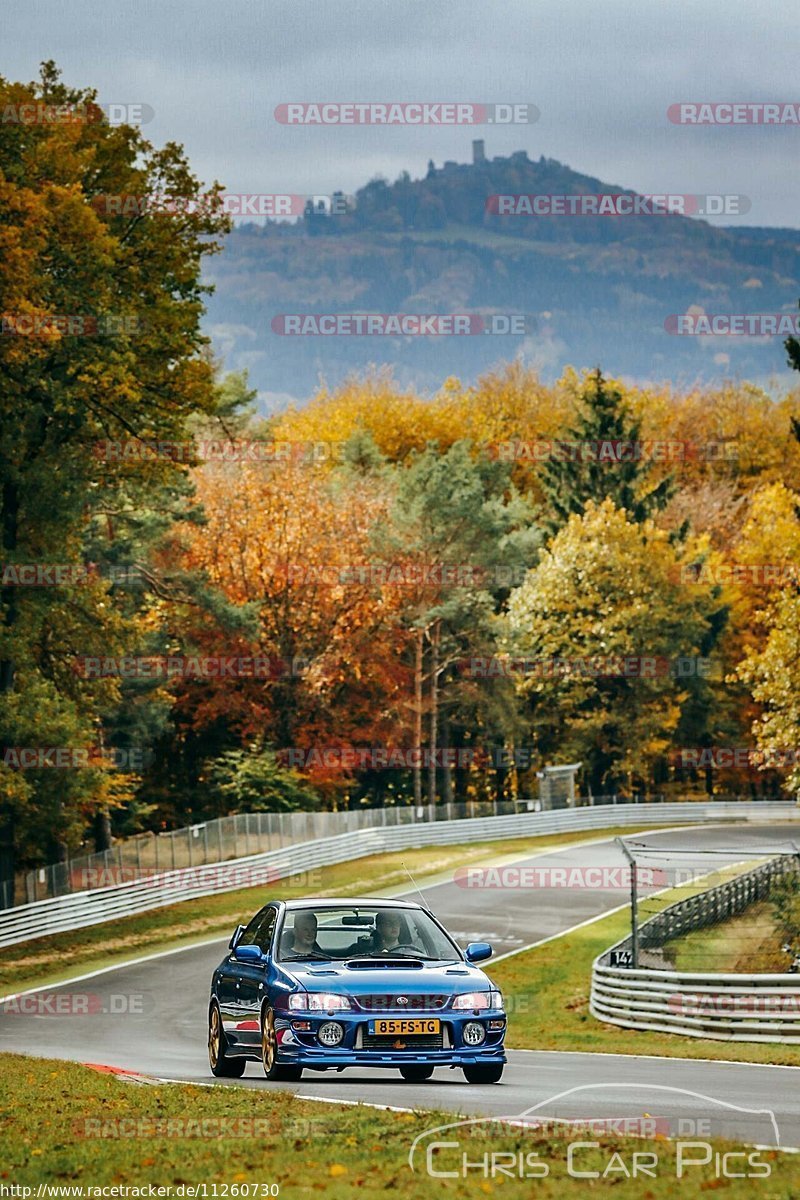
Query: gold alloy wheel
{"type": "Point", "coordinates": [214, 1037]}
{"type": "Point", "coordinates": [268, 1040]}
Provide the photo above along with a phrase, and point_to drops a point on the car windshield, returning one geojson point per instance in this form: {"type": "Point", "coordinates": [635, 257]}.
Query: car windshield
{"type": "Point", "coordinates": [362, 931]}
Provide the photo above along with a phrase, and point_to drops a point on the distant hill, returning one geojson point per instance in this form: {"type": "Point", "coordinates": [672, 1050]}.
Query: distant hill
{"type": "Point", "coordinates": [598, 289]}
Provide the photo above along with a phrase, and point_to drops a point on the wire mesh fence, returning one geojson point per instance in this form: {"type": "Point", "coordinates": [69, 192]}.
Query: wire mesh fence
{"type": "Point", "coordinates": [712, 910]}
{"type": "Point", "coordinates": [227, 838]}
{"type": "Point", "coordinates": [224, 839]}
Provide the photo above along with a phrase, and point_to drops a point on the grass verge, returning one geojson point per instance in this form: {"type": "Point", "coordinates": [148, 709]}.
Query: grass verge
{"type": "Point", "coordinates": [750, 943]}
{"type": "Point", "coordinates": [63, 1124]}
{"type": "Point", "coordinates": [58, 957]}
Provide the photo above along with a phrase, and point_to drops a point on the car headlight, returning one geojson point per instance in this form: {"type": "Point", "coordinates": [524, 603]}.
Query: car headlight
{"type": "Point", "coordinates": [318, 1001]}
{"type": "Point", "coordinates": [473, 1000]}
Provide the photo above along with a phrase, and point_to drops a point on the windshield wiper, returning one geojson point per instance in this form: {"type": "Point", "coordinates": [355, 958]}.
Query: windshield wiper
{"type": "Point", "coordinates": [303, 957]}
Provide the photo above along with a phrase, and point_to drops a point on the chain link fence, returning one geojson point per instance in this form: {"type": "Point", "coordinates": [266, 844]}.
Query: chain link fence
{"type": "Point", "coordinates": [227, 838]}
{"type": "Point", "coordinates": [237, 836]}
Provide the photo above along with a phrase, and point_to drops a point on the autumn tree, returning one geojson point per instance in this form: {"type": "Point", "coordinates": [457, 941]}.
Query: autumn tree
{"type": "Point", "coordinates": [597, 627]}
{"type": "Point", "coordinates": [771, 667]}
{"type": "Point", "coordinates": [101, 310]}
{"type": "Point", "coordinates": [289, 541]}
{"type": "Point", "coordinates": [457, 524]}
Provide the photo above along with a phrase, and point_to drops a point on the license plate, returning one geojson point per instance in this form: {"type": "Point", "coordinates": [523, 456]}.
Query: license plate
{"type": "Point", "coordinates": [404, 1027]}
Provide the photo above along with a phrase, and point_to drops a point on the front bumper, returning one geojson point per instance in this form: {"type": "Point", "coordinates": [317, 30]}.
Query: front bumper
{"type": "Point", "coordinates": [300, 1046]}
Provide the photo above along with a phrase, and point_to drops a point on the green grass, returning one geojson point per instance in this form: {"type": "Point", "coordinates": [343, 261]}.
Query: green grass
{"type": "Point", "coordinates": [63, 1124]}
{"type": "Point", "coordinates": [60, 956]}
{"type": "Point", "coordinates": [750, 943]}
{"type": "Point", "coordinates": [548, 993]}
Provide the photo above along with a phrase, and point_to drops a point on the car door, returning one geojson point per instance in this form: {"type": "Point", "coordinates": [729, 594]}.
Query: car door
{"type": "Point", "coordinates": [229, 984]}
{"type": "Point", "coordinates": [252, 982]}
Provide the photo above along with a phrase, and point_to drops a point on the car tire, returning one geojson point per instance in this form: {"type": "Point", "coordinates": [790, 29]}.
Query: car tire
{"type": "Point", "coordinates": [222, 1065]}
{"type": "Point", "coordinates": [416, 1074]}
{"type": "Point", "coordinates": [483, 1072]}
{"type": "Point", "coordinates": [275, 1071]}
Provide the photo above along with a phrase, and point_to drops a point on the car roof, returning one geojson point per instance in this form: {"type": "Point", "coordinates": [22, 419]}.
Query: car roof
{"type": "Point", "coordinates": [349, 902]}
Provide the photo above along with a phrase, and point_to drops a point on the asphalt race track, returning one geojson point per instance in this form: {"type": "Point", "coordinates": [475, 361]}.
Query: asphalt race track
{"type": "Point", "coordinates": [150, 1017]}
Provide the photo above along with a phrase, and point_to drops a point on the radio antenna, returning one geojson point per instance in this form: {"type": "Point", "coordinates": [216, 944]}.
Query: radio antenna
{"type": "Point", "coordinates": [425, 904]}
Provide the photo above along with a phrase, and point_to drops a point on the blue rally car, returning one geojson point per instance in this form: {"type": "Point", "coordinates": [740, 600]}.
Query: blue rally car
{"type": "Point", "coordinates": [329, 984]}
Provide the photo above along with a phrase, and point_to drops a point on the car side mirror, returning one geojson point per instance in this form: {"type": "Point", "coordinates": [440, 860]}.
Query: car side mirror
{"type": "Point", "coordinates": [478, 951]}
{"type": "Point", "coordinates": [237, 933]}
{"type": "Point", "coordinates": [248, 954]}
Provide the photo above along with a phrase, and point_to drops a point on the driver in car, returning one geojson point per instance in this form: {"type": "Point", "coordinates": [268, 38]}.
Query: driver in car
{"type": "Point", "coordinates": [387, 935]}
{"type": "Point", "coordinates": [387, 932]}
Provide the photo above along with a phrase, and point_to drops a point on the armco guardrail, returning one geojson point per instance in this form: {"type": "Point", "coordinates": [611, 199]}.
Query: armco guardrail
{"type": "Point", "coordinates": [241, 835]}
{"type": "Point", "coordinates": [82, 909]}
{"type": "Point", "coordinates": [722, 1006]}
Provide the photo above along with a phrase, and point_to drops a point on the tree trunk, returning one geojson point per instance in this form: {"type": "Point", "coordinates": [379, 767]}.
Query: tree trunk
{"type": "Point", "coordinates": [447, 770]}
{"type": "Point", "coordinates": [8, 607]}
{"type": "Point", "coordinates": [102, 829]}
{"type": "Point", "coordinates": [418, 718]}
{"type": "Point", "coordinates": [435, 639]}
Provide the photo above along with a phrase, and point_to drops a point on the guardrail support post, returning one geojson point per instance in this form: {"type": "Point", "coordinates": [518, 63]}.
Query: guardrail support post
{"type": "Point", "coordinates": [634, 903]}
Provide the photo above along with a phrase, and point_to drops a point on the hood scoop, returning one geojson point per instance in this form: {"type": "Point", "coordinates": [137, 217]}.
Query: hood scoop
{"type": "Point", "coordinates": [372, 964]}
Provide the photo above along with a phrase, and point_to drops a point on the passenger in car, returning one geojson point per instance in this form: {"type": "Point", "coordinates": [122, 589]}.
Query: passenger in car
{"type": "Point", "coordinates": [302, 939]}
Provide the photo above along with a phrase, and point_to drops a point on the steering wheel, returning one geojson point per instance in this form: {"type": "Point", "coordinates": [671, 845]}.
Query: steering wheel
{"type": "Point", "coordinates": [403, 946]}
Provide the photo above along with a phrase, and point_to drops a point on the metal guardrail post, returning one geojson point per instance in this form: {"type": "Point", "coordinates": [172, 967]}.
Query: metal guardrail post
{"type": "Point", "coordinates": [634, 903]}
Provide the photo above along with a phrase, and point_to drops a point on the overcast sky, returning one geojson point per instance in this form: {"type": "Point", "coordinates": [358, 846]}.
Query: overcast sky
{"type": "Point", "coordinates": [601, 74]}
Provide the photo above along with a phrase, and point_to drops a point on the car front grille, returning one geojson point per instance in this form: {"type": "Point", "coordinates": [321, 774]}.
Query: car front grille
{"type": "Point", "coordinates": [380, 1002]}
{"type": "Point", "coordinates": [426, 1041]}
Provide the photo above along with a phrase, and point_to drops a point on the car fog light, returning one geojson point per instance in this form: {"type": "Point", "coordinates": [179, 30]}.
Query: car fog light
{"type": "Point", "coordinates": [474, 1033]}
{"type": "Point", "coordinates": [497, 1024]}
{"type": "Point", "coordinates": [331, 1033]}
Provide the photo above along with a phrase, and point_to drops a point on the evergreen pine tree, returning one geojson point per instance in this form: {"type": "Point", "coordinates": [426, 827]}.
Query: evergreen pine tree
{"type": "Point", "coordinates": [602, 459]}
